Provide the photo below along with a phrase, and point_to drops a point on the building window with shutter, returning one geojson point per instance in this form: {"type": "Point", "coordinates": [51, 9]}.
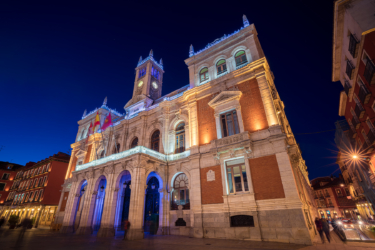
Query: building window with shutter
{"type": "Point", "coordinates": [180, 138]}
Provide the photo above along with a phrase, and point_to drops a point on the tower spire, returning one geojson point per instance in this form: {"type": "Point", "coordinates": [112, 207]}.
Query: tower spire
{"type": "Point", "coordinates": [140, 59]}
{"type": "Point", "coordinates": [245, 21]}
{"type": "Point", "coordinates": [191, 51]}
{"type": "Point", "coordinates": [161, 61]}
{"type": "Point", "coordinates": [151, 53]}
{"type": "Point", "coordinates": [84, 113]}
{"type": "Point", "coordinates": [105, 101]}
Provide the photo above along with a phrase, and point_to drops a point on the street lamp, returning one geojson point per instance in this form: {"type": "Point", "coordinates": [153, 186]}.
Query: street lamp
{"type": "Point", "coordinates": [355, 156]}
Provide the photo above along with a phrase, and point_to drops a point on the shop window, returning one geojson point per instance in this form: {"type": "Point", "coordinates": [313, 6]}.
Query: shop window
{"type": "Point", "coordinates": [155, 139]}
{"type": "Point", "coordinates": [229, 123]}
{"type": "Point", "coordinates": [180, 138]}
{"type": "Point", "coordinates": [180, 195]}
{"type": "Point", "coordinates": [237, 178]}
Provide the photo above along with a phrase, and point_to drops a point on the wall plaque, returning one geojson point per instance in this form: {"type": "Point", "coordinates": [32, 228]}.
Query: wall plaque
{"type": "Point", "coordinates": [210, 175]}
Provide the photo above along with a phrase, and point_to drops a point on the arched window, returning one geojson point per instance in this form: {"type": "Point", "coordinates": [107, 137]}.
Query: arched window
{"type": "Point", "coordinates": [155, 139]}
{"type": "Point", "coordinates": [134, 143]}
{"type": "Point", "coordinates": [44, 181]}
{"type": "Point", "coordinates": [44, 168]}
{"type": "Point", "coordinates": [49, 164]}
{"type": "Point", "coordinates": [37, 195]}
{"type": "Point", "coordinates": [27, 197]}
{"type": "Point", "coordinates": [221, 66]}
{"type": "Point", "coordinates": [240, 58]}
{"type": "Point", "coordinates": [102, 154]}
{"type": "Point", "coordinates": [31, 196]}
{"type": "Point", "coordinates": [41, 195]}
{"type": "Point", "coordinates": [180, 138]}
{"type": "Point", "coordinates": [203, 75]}
{"type": "Point", "coordinates": [40, 181]}
{"type": "Point", "coordinates": [180, 195]}
{"type": "Point", "coordinates": [117, 148]}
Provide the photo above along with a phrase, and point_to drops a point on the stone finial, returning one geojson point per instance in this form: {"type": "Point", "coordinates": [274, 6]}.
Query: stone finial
{"type": "Point", "coordinates": [105, 101]}
{"type": "Point", "coordinates": [191, 50]}
{"type": "Point", "coordinates": [84, 112]}
{"type": "Point", "coordinates": [140, 59]}
{"type": "Point", "coordinates": [151, 53]}
{"type": "Point", "coordinates": [161, 61]}
{"type": "Point", "coordinates": [245, 21]}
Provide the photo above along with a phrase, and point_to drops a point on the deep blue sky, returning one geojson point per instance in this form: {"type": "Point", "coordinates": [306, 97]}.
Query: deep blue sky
{"type": "Point", "coordinates": [56, 60]}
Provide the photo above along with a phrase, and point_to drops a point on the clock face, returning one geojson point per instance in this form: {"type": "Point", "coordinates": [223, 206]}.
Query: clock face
{"type": "Point", "coordinates": [140, 83]}
{"type": "Point", "coordinates": [155, 85]}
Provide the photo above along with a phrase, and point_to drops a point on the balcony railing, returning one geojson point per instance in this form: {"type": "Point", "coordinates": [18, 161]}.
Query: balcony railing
{"type": "Point", "coordinates": [330, 205]}
{"type": "Point", "coordinates": [356, 123]}
{"type": "Point", "coordinates": [349, 69]}
{"type": "Point", "coordinates": [359, 110]}
{"type": "Point", "coordinates": [369, 72]}
{"type": "Point", "coordinates": [364, 94]}
{"type": "Point", "coordinates": [347, 87]}
{"type": "Point", "coordinates": [371, 137]}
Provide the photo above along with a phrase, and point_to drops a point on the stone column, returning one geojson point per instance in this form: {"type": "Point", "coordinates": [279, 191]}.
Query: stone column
{"type": "Point", "coordinates": [195, 200]}
{"type": "Point", "coordinates": [164, 208]}
{"type": "Point", "coordinates": [137, 200]}
{"type": "Point", "coordinates": [193, 123]}
{"type": "Point", "coordinates": [218, 127]}
{"type": "Point", "coordinates": [187, 137]}
{"type": "Point", "coordinates": [240, 121]}
{"type": "Point", "coordinates": [85, 225]}
{"type": "Point", "coordinates": [67, 225]}
{"type": "Point", "coordinates": [266, 95]}
{"type": "Point", "coordinates": [107, 228]}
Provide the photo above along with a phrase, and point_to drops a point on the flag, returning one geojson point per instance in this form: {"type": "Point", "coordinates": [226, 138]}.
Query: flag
{"type": "Point", "coordinates": [107, 122]}
{"type": "Point", "coordinates": [90, 132]}
{"type": "Point", "coordinates": [96, 122]}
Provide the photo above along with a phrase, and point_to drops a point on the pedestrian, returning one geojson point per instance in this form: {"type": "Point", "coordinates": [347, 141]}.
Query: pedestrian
{"type": "Point", "coordinates": [325, 226]}
{"type": "Point", "coordinates": [24, 224]}
{"type": "Point", "coordinates": [126, 227]}
{"type": "Point", "coordinates": [319, 227]}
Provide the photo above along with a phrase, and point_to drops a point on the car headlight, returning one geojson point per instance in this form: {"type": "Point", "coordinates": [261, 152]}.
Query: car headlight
{"type": "Point", "coordinates": [339, 223]}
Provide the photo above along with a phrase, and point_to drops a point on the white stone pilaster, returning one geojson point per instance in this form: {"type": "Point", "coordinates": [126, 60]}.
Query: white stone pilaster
{"type": "Point", "coordinates": [266, 95]}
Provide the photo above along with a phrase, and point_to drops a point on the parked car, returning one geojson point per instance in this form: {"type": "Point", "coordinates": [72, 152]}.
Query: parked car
{"type": "Point", "coordinates": [345, 223]}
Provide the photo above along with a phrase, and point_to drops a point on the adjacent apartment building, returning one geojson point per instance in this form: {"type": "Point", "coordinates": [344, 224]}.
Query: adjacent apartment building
{"type": "Point", "coordinates": [7, 173]}
{"type": "Point", "coordinates": [36, 189]}
{"type": "Point", "coordinates": [354, 66]}
{"type": "Point", "coordinates": [216, 158]}
{"type": "Point", "coordinates": [333, 199]}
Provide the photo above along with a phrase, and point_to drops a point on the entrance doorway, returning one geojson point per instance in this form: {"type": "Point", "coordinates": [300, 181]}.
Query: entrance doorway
{"type": "Point", "coordinates": [152, 206]}
{"type": "Point", "coordinates": [126, 203]}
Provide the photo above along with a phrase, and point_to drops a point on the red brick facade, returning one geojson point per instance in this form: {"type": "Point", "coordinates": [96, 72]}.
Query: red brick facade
{"type": "Point", "coordinates": [252, 108]}
{"type": "Point", "coordinates": [212, 191]}
{"type": "Point", "coordinates": [206, 121]}
{"type": "Point", "coordinates": [266, 178]}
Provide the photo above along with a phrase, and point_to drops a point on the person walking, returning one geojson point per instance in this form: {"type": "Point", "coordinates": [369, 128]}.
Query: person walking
{"type": "Point", "coordinates": [319, 227]}
{"type": "Point", "coordinates": [126, 227]}
{"type": "Point", "coordinates": [325, 226]}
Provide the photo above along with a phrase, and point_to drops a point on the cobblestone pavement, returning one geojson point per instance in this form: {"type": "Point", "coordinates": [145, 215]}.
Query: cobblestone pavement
{"type": "Point", "coordinates": [44, 239]}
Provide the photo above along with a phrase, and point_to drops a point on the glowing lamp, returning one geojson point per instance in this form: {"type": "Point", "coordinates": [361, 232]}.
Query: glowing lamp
{"type": "Point", "coordinates": [355, 156]}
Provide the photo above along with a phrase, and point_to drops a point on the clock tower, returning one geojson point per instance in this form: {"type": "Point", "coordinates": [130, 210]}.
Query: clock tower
{"type": "Point", "coordinates": [148, 78]}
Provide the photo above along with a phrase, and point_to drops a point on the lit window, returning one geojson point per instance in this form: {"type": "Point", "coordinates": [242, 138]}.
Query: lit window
{"type": "Point", "coordinates": [180, 138]}
{"type": "Point", "coordinates": [240, 58]}
{"type": "Point", "coordinates": [221, 66]}
{"type": "Point", "coordinates": [203, 75]}
{"type": "Point", "coordinates": [229, 123]}
{"type": "Point", "coordinates": [134, 143]}
{"type": "Point", "coordinates": [155, 139]}
{"type": "Point", "coordinates": [339, 193]}
{"type": "Point", "coordinates": [237, 178]}
{"type": "Point", "coordinates": [180, 195]}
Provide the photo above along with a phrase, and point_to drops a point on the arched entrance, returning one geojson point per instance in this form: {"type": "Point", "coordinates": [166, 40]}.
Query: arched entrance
{"type": "Point", "coordinates": [79, 207]}
{"type": "Point", "coordinates": [151, 219]}
{"type": "Point", "coordinates": [123, 200]}
{"type": "Point", "coordinates": [99, 204]}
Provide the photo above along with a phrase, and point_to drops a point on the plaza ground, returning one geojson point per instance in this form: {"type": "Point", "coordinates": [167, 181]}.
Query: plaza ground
{"type": "Point", "coordinates": [45, 239]}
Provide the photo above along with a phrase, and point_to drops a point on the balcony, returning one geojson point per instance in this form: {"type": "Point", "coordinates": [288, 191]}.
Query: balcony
{"type": "Point", "coordinates": [371, 137]}
{"type": "Point", "coordinates": [369, 72]}
{"type": "Point", "coordinates": [330, 205]}
{"type": "Point", "coordinates": [359, 110]}
{"type": "Point", "coordinates": [349, 69]}
{"type": "Point", "coordinates": [364, 94]}
{"type": "Point", "coordinates": [347, 87]}
{"type": "Point", "coordinates": [356, 123]}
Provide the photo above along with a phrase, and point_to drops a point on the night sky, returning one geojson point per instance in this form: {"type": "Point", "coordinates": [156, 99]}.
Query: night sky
{"type": "Point", "coordinates": [56, 60]}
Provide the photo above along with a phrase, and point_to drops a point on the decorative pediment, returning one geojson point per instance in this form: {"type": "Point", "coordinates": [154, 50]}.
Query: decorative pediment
{"type": "Point", "coordinates": [224, 97]}
{"type": "Point", "coordinates": [80, 153]}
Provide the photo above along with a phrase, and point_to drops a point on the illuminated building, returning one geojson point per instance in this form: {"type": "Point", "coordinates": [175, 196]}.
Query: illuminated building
{"type": "Point", "coordinates": [215, 158]}
{"type": "Point", "coordinates": [353, 65]}
{"type": "Point", "coordinates": [36, 189]}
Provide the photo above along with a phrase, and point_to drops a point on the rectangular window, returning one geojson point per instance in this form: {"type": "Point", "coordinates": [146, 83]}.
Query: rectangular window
{"type": "Point", "coordinates": [339, 193]}
{"type": "Point", "coordinates": [353, 46]}
{"type": "Point", "coordinates": [5, 176]}
{"type": "Point", "coordinates": [349, 69]}
{"type": "Point", "coordinates": [229, 123]}
{"type": "Point", "coordinates": [237, 178]}
{"type": "Point", "coordinates": [2, 186]}
{"type": "Point", "coordinates": [369, 69]}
